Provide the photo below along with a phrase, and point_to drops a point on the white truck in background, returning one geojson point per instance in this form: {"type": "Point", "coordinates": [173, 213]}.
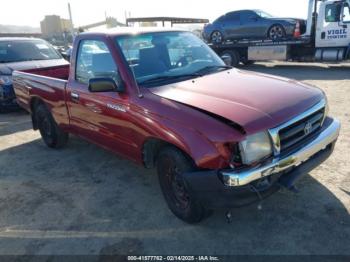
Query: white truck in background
{"type": "Point", "coordinates": [327, 39]}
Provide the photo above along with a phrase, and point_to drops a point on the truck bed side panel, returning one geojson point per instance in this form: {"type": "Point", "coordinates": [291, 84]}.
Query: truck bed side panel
{"type": "Point", "coordinates": [49, 90]}
{"type": "Point", "coordinates": [61, 72]}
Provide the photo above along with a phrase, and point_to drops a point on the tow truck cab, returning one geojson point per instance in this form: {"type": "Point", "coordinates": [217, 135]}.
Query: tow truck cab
{"type": "Point", "coordinates": [332, 30]}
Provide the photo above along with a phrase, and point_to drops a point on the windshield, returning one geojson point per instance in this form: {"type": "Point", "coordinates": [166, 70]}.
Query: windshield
{"type": "Point", "coordinates": [26, 50]}
{"type": "Point", "coordinates": [161, 57]}
{"type": "Point", "coordinates": [263, 14]}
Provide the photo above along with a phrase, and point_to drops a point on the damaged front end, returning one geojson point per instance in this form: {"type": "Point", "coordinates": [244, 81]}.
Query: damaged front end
{"type": "Point", "coordinates": [238, 187]}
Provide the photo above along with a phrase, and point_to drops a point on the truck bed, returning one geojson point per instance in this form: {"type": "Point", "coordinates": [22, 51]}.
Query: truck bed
{"type": "Point", "coordinates": [48, 84]}
{"type": "Point", "coordinates": [60, 72]}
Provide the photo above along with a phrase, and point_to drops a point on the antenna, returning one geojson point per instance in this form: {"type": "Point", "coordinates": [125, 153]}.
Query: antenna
{"type": "Point", "coordinates": [140, 95]}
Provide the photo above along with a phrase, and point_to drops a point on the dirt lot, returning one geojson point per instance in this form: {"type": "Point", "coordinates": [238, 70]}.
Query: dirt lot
{"type": "Point", "coordinates": [84, 200]}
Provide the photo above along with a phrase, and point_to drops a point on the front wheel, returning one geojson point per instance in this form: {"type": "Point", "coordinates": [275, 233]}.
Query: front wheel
{"type": "Point", "coordinates": [171, 164]}
{"type": "Point", "coordinates": [276, 32]}
{"type": "Point", "coordinates": [216, 37]}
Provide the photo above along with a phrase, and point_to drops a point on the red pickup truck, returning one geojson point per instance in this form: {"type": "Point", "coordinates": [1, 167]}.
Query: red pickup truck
{"type": "Point", "coordinates": [219, 137]}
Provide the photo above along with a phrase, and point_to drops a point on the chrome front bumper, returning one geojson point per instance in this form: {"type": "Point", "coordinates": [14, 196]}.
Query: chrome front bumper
{"type": "Point", "coordinates": [326, 137]}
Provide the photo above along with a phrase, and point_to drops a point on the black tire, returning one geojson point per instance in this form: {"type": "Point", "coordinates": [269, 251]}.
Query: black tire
{"type": "Point", "coordinates": [216, 37]}
{"type": "Point", "coordinates": [52, 135]}
{"type": "Point", "coordinates": [276, 32]}
{"type": "Point", "coordinates": [248, 62]}
{"type": "Point", "coordinates": [233, 57]}
{"type": "Point", "coordinates": [171, 164]}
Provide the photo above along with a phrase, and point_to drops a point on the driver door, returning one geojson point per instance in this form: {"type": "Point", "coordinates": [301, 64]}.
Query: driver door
{"type": "Point", "coordinates": [231, 25]}
{"type": "Point", "coordinates": [252, 26]}
{"type": "Point", "coordinates": [99, 117]}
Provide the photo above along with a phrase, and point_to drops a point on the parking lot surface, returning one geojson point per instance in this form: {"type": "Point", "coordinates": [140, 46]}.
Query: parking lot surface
{"type": "Point", "coordinates": [85, 200]}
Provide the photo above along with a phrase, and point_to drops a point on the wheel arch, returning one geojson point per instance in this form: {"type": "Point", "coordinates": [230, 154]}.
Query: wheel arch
{"type": "Point", "coordinates": [34, 103]}
{"type": "Point", "coordinates": [153, 146]}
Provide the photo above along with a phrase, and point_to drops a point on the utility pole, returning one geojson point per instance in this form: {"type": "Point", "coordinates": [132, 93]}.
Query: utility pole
{"type": "Point", "coordinates": [71, 20]}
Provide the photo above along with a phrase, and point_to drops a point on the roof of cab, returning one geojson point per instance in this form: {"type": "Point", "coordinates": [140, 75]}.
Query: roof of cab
{"type": "Point", "coordinates": [133, 30]}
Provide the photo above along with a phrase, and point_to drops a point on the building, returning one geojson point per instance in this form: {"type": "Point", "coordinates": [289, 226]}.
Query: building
{"type": "Point", "coordinates": [53, 26]}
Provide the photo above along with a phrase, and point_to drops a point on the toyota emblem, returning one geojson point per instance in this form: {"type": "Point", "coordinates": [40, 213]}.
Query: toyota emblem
{"type": "Point", "coordinates": [308, 128]}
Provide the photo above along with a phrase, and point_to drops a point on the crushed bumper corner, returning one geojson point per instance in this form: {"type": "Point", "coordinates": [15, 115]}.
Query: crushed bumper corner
{"type": "Point", "coordinates": [209, 187]}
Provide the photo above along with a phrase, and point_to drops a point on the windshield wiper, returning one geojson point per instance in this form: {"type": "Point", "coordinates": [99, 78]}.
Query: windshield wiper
{"type": "Point", "coordinates": [168, 77]}
{"type": "Point", "coordinates": [209, 69]}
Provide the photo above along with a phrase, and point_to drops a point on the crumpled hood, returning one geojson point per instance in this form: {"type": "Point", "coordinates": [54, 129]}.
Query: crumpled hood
{"type": "Point", "coordinates": [8, 68]}
{"type": "Point", "coordinates": [254, 101]}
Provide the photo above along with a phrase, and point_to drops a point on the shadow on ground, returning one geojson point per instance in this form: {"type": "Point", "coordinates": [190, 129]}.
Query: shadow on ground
{"type": "Point", "coordinates": [84, 200]}
{"type": "Point", "coordinates": [14, 122]}
{"type": "Point", "coordinates": [303, 71]}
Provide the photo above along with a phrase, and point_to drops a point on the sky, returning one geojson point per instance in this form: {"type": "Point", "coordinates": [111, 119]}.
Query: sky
{"type": "Point", "coordinates": [31, 12]}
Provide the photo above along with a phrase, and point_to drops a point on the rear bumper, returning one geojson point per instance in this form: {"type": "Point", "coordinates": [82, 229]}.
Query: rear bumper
{"type": "Point", "coordinates": [7, 97]}
{"type": "Point", "coordinates": [214, 190]}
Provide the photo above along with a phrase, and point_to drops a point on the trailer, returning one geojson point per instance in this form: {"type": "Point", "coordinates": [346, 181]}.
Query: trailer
{"type": "Point", "coordinates": [327, 39]}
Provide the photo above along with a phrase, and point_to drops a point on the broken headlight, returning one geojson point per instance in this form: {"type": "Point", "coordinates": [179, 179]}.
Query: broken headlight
{"type": "Point", "coordinates": [255, 147]}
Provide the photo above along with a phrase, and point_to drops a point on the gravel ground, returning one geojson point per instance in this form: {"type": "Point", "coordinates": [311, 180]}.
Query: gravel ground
{"type": "Point", "coordinates": [84, 200]}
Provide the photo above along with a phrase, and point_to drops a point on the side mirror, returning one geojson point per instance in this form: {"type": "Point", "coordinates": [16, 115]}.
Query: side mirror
{"type": "Point", "coordinates": [104, 85]}
{"type": "Point", "coordinates": [342, 24]}
{"type": "Point", "coordinates": [253, 18]}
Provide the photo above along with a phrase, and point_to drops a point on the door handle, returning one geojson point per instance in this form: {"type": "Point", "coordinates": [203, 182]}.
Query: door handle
{"type": "Point", "coordinates": [74, 96]}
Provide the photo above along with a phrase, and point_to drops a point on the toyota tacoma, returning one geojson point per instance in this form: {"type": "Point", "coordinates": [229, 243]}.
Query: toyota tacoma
{"type": "Point", "coordinates": [218, 137]}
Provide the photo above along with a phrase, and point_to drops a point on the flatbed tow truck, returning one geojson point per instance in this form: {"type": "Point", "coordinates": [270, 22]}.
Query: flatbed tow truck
{"type": "Point", "coordinates": [327, 39]}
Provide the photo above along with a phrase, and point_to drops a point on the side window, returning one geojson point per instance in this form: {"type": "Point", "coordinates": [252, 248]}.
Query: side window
{"type": "Point", "coordinates": [220, 19]}
{"type": "Point", "coordinates": [94, 60]}
{"type": "Point", "coordinates": [333, 13]}
{"type": "Point", "coordinates": [346, 14]}
{"type": "Point", "coordinates": [232, 17]}
{"type": "Point", "coordinates": [248, 16]}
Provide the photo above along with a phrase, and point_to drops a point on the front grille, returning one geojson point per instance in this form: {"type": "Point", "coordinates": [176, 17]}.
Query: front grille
{"type": "Point", "coordinates": [299, 131]}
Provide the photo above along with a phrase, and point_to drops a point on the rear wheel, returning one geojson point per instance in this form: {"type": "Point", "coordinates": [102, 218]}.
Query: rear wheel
{"type": "Point", "coordinates": [52, 135]}
{"type": "Point", "coordinates": [216, 37]}
{"type": "Point", "coordinates": [231, 57]}
{"type": "Point", "coordinates": [276, 32]}
{"type": "Point", "coordinates": [171, 164]}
